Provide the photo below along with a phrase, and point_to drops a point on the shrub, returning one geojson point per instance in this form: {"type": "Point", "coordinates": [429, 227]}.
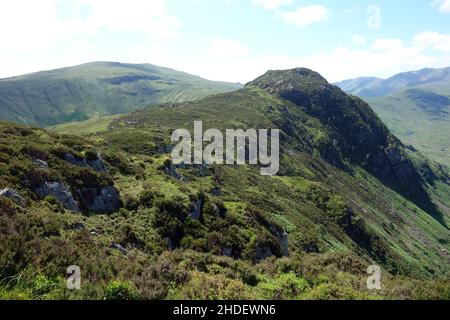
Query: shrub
{"type": "Point", "coordinates": [332, 291]}
{"type": "Point", "coordinates": [118, 290]}
{"type": "Point", "coordinates": [286, 286]}
{"type": "Point", "coordinates": [7, 207]}
{"type": "Point", "coordinates": [51, 200]}
{"type": "Point", "coordinates": [210, 287]}
{"type": "Point", "coordinates": [91, 155]}
{"type": "Point", "coordinates": [130, 202]}
{"type": "Point", "coordinates": [147, 197]}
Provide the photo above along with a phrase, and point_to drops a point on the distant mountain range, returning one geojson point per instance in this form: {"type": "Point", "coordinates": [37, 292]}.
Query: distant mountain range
{"type": "Point", "coordinates": [97, 89]}
{"type": "Point", "coordinates": [415, 106]}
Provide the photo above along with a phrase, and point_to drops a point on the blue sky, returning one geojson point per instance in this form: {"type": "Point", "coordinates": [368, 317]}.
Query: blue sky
{"type": "Point", "coordinates": [232, 40]}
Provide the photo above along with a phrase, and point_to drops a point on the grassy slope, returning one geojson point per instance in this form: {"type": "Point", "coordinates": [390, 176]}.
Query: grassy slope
{"type": "Point", "coordinates": [97, 89]}
{"type": "Point", "coordinates": [93, 125]}
{"type": "Point", "coordinates": [405, 114]}
{"type": "Point", "coordinates": [425, 130]}
{"type": "Point", "coordinates": [338, 221]}
{"type": "Point", "coordinates": [367, 196]}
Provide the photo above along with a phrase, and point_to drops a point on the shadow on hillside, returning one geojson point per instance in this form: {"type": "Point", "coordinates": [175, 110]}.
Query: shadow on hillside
{"type": "Point", "coordinates": [419, 197]}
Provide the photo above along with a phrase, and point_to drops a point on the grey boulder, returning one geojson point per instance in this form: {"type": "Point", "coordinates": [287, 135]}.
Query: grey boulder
{"type": "Point", "coordinates": [14, 196]}
{"type": "Point", "coordinates": [60, 192]}
{"type": "Point", "coordinates": [105, 199]}
{"type": "Point", "coordinates": [40, 163]}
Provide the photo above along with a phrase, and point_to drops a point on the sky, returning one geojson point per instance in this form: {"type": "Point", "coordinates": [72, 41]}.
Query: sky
{"type": "Point", "coordinates": [228, 40]}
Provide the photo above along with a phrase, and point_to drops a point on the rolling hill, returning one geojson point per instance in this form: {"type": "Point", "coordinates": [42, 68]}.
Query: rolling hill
{"type": "Point", "coordinates": [414, 105]}
{"type": "Point", "coordinates": [348, 195]}
{"type": "Point", "coordinates": [97, 89]}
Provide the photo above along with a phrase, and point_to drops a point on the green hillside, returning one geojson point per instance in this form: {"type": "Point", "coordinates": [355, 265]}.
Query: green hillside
{"type": "Point", "coordinates": [414, 105]}
{"type": "Point", "coordinates": [348, 195]}
{"type": "Point", "coordinates": [97, 89]}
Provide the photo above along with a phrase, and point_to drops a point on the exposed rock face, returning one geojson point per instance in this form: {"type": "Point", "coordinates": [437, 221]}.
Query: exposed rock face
{"type": "Point", "coordinates": [100, 199]}
{"type": "Point", "coordinates": [41, 163]}
{"type": "Point", "coordinates": [263, 253]}
{"type": "Point", "coordinates": [216, 192]}
{"type": "Point", "coordinates": [392, 165]}
{"type": "Point", "coordinates": [356, 131]}
{"type": "Point", "coordinates": [60, 192]}
{"type": "Point", "coordinates": [283, 241]}
{"type": "Point", "coordinates": [119, 247]}
{"type": "Point", "coordinates": [171, 171]}
{"type": "Point", "coordinates": [14, 196]}
{"type": "Point", "coordinates": [170, 244]}
{"type": "Point", "coordinates": [220, 211]}
{"type": "Point", "coordinates": [78, 226]}
{"type": "Point", "coordinates": [75, 160]}
{"type": "Point", "coordinates": [96, 164]}
{"type": "Point", "coordinates": [227, 252]}
{"type": "Point", "coordinates": [196, 211]}
{"type": "Point", "coordinates": [165, 149]}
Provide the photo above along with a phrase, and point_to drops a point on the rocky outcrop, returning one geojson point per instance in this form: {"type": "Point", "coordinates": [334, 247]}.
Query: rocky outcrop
{"type": "Point", "coordinates": [227, 252]}
{"type": "Point", "coordinates": [78, 226]}
{"type": "Point", "coordinates": [119, 247]}
{"type": "Point", "coordinates": [165, 149]}
{"type": "Point", "coordinates": [219, 210]}
{"type": "Point", "coordinates": [355, 131]}
{"type": "Point", "coordinates": [196, 211]}
{"type": "Point", "coordinates": [104, 199]}
{"type": "Point", "coordinates": [14, 196]}
{"type": "Point", "coordinates": [216, 192]}
{"type": "Point", "coordinates": [283, 241]}
{"type": "Point", "coordinates": [171, 171]}
{"type": "Point", "coordinates": [170, 244]}
{"type": "Point", "coordinates": [391, 165]}
{"type": "Point", "coordinates": [97, 163]}
{"type": "Point", "coordinates": [41, 163]}
{"type": "Point", "coordinates": [263, 253]}
{"type": "Point", "coordinates": [61, 194]}
{"type": "Point", "coordinates": [75, 160]}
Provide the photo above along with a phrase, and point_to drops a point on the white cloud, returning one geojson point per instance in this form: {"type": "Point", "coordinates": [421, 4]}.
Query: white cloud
{"type": "Point", "coordinates": [227, 48]}
{"type": "Point", "coordinates": [385, 57]}
{"type": "Point", "coordinates": [48, 34]}
{"type": "Point", "coordinates": [10, 66]}
{"type": "Point", "coordinates": [432, 40]}
{"type": "Point", "coordinates": [272, 4]}
{"type": "Point", "coordinates": [26, 25]}
{"type": "Point", "coordinates": [146, 16]}
{"type": "Point", "coordinates": [387, 44]}
{"type": "Point", "coordinates": [358, 39]}
{"type": "Point", "coordinates": [443, 5]}
{"type": "Point", "coordinates": [305, 16]}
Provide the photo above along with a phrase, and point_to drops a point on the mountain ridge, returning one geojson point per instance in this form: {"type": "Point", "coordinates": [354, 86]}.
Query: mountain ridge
{"type": "Point", "coordinates": [80, 92]}
{"type": "Point", "coordinates": [371, 87]}
{"type": "Point", "coordinates": [415, 106]}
